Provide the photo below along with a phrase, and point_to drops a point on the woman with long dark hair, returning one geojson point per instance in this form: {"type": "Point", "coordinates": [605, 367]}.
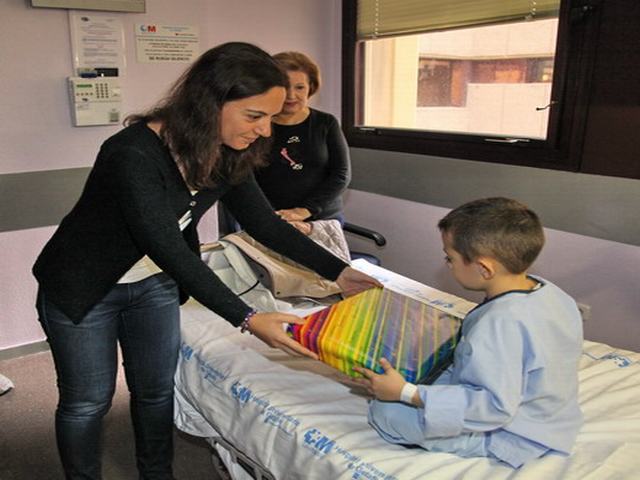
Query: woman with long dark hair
{"type": "Point", "coordinates": [127, 253]}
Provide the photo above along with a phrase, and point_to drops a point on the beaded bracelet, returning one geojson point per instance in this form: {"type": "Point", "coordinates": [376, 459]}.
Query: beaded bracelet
{"type": "Point", "coordinates": [244, 326]}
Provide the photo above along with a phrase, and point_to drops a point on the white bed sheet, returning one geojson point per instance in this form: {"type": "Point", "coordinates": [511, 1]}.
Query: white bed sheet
{"type": "Point", "coordinates": [301, 419]}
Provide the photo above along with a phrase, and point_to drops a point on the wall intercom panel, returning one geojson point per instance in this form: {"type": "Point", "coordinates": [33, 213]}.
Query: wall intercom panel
{"type": "Point", "coordinates": [95, 101]}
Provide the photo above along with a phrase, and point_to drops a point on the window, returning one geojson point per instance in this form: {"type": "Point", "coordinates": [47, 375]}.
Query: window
{"type": "Point", "coordinates": [477, 80]}
{"type": "Point", "coordinates": [482, 79]}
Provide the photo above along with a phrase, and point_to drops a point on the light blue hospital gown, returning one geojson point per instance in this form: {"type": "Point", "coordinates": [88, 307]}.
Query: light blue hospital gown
{"type": "Point", "coordinates": [512, 391]}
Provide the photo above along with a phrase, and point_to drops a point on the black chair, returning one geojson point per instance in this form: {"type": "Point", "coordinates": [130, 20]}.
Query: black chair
{"type": "Point", "coordinates": [377, 238]}
{"type": "Point", "coordinates": [228, 224]}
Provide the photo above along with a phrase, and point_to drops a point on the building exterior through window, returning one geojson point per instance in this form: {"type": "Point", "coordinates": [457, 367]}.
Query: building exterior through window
{"type": "Point", "coordinates": [486, 80]}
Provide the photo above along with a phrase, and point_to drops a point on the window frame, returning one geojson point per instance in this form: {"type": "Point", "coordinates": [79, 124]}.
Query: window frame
{"type": "Point", "coordinates": [561, 150]}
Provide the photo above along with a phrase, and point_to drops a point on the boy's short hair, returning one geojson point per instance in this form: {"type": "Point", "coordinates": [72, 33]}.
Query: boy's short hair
{"type": "Point", "coordinates": [497, 227]}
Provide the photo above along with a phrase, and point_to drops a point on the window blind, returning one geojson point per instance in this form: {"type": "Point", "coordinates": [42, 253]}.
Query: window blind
{"type": "Point", "coordinates": [386, 18]}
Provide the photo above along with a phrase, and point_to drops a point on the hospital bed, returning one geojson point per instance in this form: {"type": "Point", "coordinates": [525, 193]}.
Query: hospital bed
{"type": "Point", "coordinates": [273, 416]}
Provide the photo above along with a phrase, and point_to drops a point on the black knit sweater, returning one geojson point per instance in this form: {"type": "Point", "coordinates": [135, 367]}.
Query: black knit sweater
{"type": "Point", "coordinates": [130, 207]}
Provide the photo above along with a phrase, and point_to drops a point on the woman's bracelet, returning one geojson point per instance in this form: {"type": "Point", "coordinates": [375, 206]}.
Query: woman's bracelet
{"type": "Point", "coordinates": [244, 326]}
{"type": "Point", "coordinates": [407, 393]}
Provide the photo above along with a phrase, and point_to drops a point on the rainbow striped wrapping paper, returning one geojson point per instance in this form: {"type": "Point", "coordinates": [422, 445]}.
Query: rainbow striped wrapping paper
{"type": "Point", "coordinates": [380, 323]}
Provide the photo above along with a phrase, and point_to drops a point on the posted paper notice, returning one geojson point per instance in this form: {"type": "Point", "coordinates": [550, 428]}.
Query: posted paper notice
{"type": "Point", "coordinates": [166, 43]}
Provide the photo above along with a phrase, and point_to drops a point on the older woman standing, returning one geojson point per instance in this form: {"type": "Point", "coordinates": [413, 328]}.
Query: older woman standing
{"type": "Point", "coordinates": [309, 166]}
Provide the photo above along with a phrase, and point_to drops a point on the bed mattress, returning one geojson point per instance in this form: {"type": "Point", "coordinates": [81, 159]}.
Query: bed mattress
{"type": "Point", "coordinates": [302, 419]}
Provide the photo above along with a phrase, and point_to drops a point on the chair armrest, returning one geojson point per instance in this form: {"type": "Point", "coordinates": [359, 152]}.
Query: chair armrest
{"type": "Point", "coordinates": [365, 232]}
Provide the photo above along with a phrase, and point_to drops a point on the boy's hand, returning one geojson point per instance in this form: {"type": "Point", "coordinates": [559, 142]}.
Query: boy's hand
{"type": "Point", "coordinates": [386, 386]}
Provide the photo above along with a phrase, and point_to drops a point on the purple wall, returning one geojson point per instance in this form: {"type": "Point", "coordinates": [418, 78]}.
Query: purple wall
{"type": "Point", "coordinates": [35, 127]}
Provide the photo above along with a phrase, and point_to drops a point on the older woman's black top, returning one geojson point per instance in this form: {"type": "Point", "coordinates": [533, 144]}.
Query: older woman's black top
{"type": "Point", "coordinates": [130, 207]}
{"type": "Point", "coordinates": [309, 166]}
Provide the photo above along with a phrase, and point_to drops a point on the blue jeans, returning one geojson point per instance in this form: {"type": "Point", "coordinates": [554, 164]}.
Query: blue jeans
{"type": "Point", "coordinates": [144, 317]}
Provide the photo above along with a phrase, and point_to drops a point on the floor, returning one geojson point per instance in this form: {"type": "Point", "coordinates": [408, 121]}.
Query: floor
{"type": "Point", "coordinates": [27, 437]}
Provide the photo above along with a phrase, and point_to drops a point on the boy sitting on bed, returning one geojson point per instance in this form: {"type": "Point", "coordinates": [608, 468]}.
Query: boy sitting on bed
{"type": "Point", "coordinates": [511, 393]}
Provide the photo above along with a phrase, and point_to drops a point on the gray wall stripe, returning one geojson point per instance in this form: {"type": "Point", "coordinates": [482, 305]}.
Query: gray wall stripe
{"type": "Point", "coordinates": [22, 350]}
{"type": "Point", "coordinates": [591, 205]}
{"type": "Point", "coordinates": [38, 199]}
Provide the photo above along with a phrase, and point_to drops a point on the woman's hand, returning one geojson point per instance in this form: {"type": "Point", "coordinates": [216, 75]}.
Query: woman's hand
{"type": "Point", "coordinates": [386, 386]}
{"type": "Point", "coordinates": [352, 281]}
{"type": "Point", "coordinates": [268, 327]}
{"type": "Point", "coordinates": [294, 214]}
{"type": "Point", "coordinates": [304, 227]}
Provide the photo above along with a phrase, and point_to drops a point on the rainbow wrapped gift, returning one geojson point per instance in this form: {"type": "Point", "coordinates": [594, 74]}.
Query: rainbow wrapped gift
{"type": "Point", "coordinates": [380, 323]}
